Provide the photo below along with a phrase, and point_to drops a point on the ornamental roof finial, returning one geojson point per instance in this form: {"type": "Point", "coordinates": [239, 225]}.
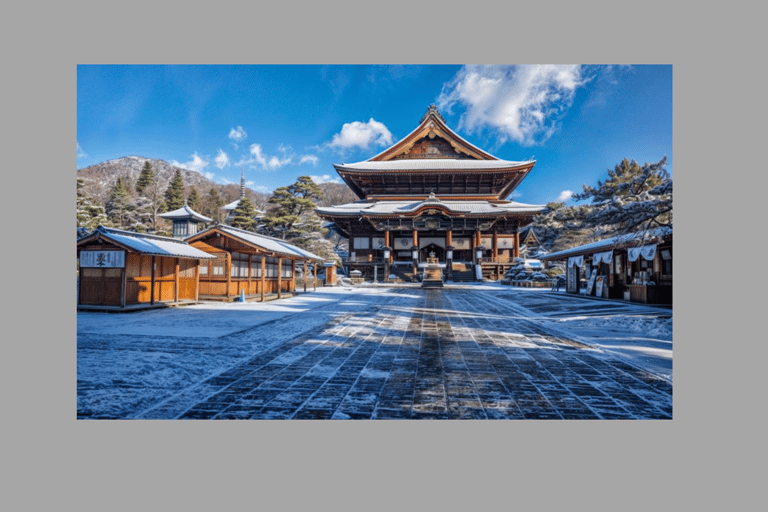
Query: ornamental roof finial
{"type": "Point", "coordinates": [432, 110]}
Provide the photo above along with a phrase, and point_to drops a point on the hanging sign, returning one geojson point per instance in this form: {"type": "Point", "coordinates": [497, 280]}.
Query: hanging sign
{"type": "Point", "coordinates": [102, 259]}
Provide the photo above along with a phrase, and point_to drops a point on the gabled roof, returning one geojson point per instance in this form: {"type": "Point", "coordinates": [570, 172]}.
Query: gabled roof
{"type": "Point", "coordinates": [185, 212]}
{"type": "Point", "coordinates": [433, 125]}
{"type": "Point", "coordinates": [151, 245]}
{"type": "Point", "coordinates": [266, 243]}
{"type": "Point", "coordinates": [231, 206]}
{"type": "Point", "coordinates": [654, 236]}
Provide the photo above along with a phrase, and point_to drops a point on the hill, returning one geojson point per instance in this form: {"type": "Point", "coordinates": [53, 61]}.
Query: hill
{"type": "Point", "coordinates": [99, 179]}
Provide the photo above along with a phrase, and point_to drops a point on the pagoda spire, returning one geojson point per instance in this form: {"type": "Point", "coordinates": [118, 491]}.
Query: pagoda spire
{"type": "Point", "coordinates": [242, 182]}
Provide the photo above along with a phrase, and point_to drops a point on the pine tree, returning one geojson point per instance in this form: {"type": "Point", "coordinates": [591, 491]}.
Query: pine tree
{"type": "Point", "coordinates": [89, 214]}
{"type": "Point", "coordinates": [146, 178]}
{"type": "Point", "coordinates": [211, 205]}
{"type": "Point", "coordinates": [633, 198]}
{"type": "Point", "coordinates": [118, 205]}
{"type": "Point", "coordinates": [174, 194]}
{"type": "Point", "coordinates": [291, 204]}
{"type": "Point", "coordinates": [243, 215]}
{"type": "Point", "coordinates": [193, 200]}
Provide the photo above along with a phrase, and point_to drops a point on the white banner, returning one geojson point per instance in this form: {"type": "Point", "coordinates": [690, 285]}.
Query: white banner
{"type": "Point", "coordinates": [602, 257]}
{"type": "Point", "coordinates": [102, 259]}
{"type": "Point", "coordinates": [403, 243]}
{"type": "Point", "coordinates": [646, 251]}
{"type": "Point", "coordinates": [576, 261]}
{"type": "Point", "coordinates": [461, 244]}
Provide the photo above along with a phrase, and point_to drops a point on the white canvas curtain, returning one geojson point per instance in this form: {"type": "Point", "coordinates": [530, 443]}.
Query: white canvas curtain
{"type": "Point", "coordinates": [604, 257]}
{"type": "Point", "coordinates": [646, 251]}
{"type": "Point", "coordinates": [577, 261]}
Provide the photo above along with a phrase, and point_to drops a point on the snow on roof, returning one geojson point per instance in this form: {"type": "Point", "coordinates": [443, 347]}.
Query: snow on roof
{"type": "Point", "coordinates": [394, 207]}
{"type": "Point", "coordinates": [185, 212]}
{"type": "Point", "coordinates": [653, 235]}
{"type": "Point", "coordinates": [265, 242]}
{"type": "Point", "coordinates": [429, 164]}
{"type": "Point", "coordinates": [152, 245]}
{"type": "Point", "coordinates": [233, 205]}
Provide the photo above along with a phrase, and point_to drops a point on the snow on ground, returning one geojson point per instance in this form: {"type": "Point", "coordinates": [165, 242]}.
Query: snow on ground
{"type": "Point", "coordinates": [129, 362]}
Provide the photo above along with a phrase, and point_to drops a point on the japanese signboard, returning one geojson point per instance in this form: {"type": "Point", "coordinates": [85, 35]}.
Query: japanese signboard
{"type": "Point", "coordinates": [102, 259]}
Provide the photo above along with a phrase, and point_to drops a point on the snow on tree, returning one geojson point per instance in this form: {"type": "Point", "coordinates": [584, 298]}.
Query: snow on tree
{"type": "Point", "coordinates": [244, 215]}
{"type": "Point", "coordinates": [89, 213]}
{"type": "Point", "coordinates": [146, 177]}
{"type": "Point", "coordinates": [292, 204]}
{"type": "Point", "coordinates": [119, 203]}
{"type": "Point", "coordinates": [633, 198]}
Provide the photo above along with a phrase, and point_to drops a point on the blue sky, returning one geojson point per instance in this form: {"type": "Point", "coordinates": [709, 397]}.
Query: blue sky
{"type": "Point", "coordinates": [284, 121]}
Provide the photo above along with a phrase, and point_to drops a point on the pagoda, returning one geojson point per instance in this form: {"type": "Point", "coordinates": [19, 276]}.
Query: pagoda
{"type": "Point", "coordinates": [185, 220]}
{"type": "Point", "coordinates": [433, 195]}
{"type": "Point", "coordinates": [231, 207]}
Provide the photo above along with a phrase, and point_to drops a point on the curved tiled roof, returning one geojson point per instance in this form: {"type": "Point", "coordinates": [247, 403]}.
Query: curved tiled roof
{"type": "Point", "coordinates": [430, 164]}
{"type": "Point", "coordinates": [405, 207]}
{"type": "Point", "coordinates": [185, 212]}
{"type": "Point", "coordinates": [151, 245]}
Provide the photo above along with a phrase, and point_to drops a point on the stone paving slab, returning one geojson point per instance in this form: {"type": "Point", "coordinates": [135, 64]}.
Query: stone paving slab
{"type": "Point", "coordinates": [427, 354]}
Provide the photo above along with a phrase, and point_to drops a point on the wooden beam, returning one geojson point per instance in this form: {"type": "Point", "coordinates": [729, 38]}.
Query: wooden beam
{"type": "Point", "coordinates": [279, 277]}
{"type": "Point", "coordinates": [263, 277]}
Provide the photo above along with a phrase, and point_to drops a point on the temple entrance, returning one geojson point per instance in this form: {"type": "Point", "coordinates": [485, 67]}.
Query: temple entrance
{"type": "Point", "coordinates": [439, 252]}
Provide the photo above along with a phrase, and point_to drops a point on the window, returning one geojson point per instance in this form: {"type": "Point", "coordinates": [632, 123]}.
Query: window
{"type": "Point", "coordinates": [362, 243]}
{"type": "Point", "coordinates": [666, 262]}
{"type": "Point", "coordinates": [239, 265]}
{"type": "Point", "coordinates": [204, 268]}
{"type": "Point", "coordinates": [180, 229]}
{"type": "Point", "coordinates": [256, 267]}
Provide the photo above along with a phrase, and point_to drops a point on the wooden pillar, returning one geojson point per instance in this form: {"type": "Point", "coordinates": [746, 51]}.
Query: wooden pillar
{"type": "Point", "coordinates": [495, 243]}
{"type": "Point", "coordinates": [387, 244]}
{"type": "Point", "coordinates": [314, 270]}
{"type": "Point", "coordinates": [197, 278]}
{"type": "Point", "coordinates": [263, 275]}
{"type": "Point", "coordinates": [293, 275]}
{"type": "Point", "coordinates": [279, 277]}
{"type": "Point", "coordinates": [305, 276]}
{"type": "Point", "coordinates": [152, 282]}
{"type": "Point", "coordinates": [229, 272]}
{"type": "Point", "coordinates": [516, 250]}
{"type": "Point", "coordinates": [176, 282]}
{"type": "Point", "coordinates": [448, 238]}
{"type": "Point", "coordinates": [123, 286]}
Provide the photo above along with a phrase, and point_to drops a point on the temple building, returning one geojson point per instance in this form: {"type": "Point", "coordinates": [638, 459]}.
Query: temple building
{"type": "Point", "coordinates": [433, 195]}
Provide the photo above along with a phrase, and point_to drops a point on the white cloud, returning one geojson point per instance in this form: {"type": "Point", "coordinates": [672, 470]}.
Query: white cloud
{"type": "Point", "coordinates": [361, 135]}
{"type": "Point", "coordinates": [522, 103]}
{"type": "Point", "coordinates": [222, 159]}
{"type": "Point", "coordinates": [564, 196]}
{"type": "Point", "coordinates": [325, 178]}
{"type": "Point", "coordinates": [197, 163]}
{"type": "Point", "coordinates": [312, 159]}
{"type": "Point", "coordinates": [209, 175]}
{"type": "Point", "coordinates": [237, 134]}
{"type": "Point", "coordinates": [80, 152]}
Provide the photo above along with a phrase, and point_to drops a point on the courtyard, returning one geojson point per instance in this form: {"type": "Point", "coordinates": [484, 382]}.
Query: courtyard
{"type": "Point", "coordinates": [483, 351]}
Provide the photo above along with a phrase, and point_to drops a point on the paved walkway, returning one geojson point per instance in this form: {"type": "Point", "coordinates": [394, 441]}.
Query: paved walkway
{"type": "Point", "coordinates": [426, 354]}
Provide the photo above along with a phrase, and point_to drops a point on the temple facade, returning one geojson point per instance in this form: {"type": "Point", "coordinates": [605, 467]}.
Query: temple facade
{"type": "Point", "coordinates": [432, 195]}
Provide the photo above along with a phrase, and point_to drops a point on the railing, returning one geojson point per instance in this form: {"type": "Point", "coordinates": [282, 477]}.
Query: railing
{"type": "Point", "coordinates": [497, 260]}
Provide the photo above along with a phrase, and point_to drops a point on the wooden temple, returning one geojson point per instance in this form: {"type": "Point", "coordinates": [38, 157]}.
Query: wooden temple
{"type": "Point", "coordinates": [432, 194]}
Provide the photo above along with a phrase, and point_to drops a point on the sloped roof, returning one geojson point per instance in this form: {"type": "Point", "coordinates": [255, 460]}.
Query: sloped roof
{"type": "Point", "coordinates": [406, 207]}
{"type": "Point", "coordinates": [614, 242]}
{"type": "Point", "coordinates": [185, 212]}
{"type": "Point", "coordinates": [266, 243]}
{"type": "Point", "coordinates": [231, 206]}
{"type": "Point", "coordinates": [151, 245]}
{"type": "Point", "coordinates": [430, 164]}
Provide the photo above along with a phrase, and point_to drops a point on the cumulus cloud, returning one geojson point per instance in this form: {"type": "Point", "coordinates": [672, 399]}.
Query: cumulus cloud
{"type": "Point", "coordinates": [325, 178]}
{"type": "Point", "coordinates": [197, 163]}
{"type": "Point", "coordinates": [361, 135]}
{"type": "Point", "coordinates": [80, 152]}
{"type": "Point", "coordinates": [564, 196]}
{"type": "Point", "coordinates": [237, 134]}
{"type": "Point", "coordinates": [312, 159]}
{"type": "Point", "coordinates": [222, 159]}
{"type": "Point", "coordinates": [520, 103]}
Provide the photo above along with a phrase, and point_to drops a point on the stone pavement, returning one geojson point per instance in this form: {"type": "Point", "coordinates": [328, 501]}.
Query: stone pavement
{"type": "Point", "coordinates": [427, 354]}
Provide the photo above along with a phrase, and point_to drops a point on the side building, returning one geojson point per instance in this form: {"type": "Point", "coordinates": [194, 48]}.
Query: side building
{"type": "Point", "coordinates": [432, 195]}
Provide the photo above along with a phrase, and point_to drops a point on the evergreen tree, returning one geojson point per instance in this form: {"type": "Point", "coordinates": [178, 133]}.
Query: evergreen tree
{"type": "Point", "coordinates": [89, 214]}
{"type": "Point", "coordinates": [211, 205]}
{"type": "Point", "coordinates": [243, 216]}
{"type": "Point", "coordinates": [291, 204]}
{"type": "Point", "coordinates": [193, 200]}
{"type": "Point", "coordinates": [174, 194]}
{"type": "Point", "coordinates": [633, 198]}
{"type": "Point", "coordinates": [146, 178]}
{"type": "Point", "coordinates": [118, 205]}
